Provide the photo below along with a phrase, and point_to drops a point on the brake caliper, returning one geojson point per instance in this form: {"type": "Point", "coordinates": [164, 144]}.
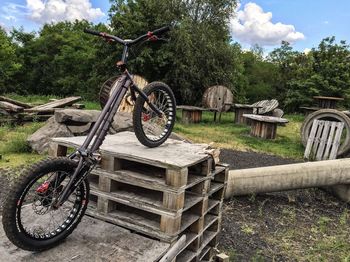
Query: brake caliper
{"type": "Point", "coordinates": [146, 117]}
{"type": "Point", "coordinates": [42, 189]}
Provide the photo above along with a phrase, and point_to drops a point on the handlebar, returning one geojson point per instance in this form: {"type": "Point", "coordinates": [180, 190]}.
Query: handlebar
{"type": "Point", "coordinates": [152, 35]}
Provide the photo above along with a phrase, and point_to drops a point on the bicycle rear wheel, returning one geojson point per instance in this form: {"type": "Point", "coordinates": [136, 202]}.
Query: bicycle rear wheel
{"type": "Point", "coordinates": [29, 219]}
{"type": "Point", "coordinates": [150, 129]}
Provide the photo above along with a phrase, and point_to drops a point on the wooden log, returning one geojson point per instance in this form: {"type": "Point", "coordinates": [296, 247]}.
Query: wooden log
{"type": "Point", "coordinates": [288, 177]}
{"type": "Point", "coordinates": [15, 102]}
{"type": "Point", "coordinates": [9, 107]}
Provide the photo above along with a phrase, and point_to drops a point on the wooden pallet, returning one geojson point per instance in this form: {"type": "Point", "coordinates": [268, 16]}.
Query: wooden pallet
{"type": "Point", "coordinates": [324, 140]}
{"type": "Point", "coordinates": [163, 193]}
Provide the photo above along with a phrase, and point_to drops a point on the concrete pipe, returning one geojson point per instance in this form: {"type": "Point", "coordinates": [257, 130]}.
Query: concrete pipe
{"type": "Point", "coordinates": [335, 173]}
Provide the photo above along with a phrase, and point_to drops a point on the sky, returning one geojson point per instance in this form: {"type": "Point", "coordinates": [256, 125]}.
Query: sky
{"type": "Point", "coordinates": [303, 23]}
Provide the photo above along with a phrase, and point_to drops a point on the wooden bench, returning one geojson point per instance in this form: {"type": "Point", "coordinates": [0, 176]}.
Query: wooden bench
{"type": "Point", "coordinates": [327, 101]}
{"type": "Point", "coordinates": [241, 109]}
{"type": "Point", "coordinates": [191, 114]}
{"type": "Point", "coordinates": [264, 126]}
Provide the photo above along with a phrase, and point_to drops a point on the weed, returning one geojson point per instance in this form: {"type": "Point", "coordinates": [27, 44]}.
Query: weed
{"type": "Point", "coordinates": [261, 206]}
{"type": "Point", "coordinates": [344, 218]}
{"type": "Point", "coordinates": [323, 223]}
{"type": "Point", "coordinates": [258, 257]}
{"type": "Point", "coordinates": [247, 229]}
{"type": "Point", "coordinates": [289, 214]}
{"type": "Point", "coordinates": [232, 253]}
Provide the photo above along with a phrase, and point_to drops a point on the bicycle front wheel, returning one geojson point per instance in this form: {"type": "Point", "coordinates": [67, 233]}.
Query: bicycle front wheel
{"type": "Point", "coordinates": [151, 129]}
{"type": "Point", "coordinates": [30, 220]}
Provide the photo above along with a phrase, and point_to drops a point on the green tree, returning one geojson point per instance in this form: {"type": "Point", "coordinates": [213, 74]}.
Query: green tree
{"type": "Point", "coordinates": [9, 63]}
{"type": "Point", "coordinates": [261, 75]}
{"type": "Point", "coordinates": [60, 60]}
{"type": "Point", "coordinates": [331, 66]}
{"type": "Point", "coordinates": [199, 54]}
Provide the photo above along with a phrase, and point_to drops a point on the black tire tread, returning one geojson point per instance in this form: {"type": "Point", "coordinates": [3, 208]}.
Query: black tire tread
{"type": "Point", "coordinates": [138, 112]}
{"type": "Point", "coordinates": [9, 208]}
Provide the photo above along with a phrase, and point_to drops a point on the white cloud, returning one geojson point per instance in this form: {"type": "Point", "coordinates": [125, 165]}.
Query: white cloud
{"type": "Point", "coordinates": [306, 51]}
{"type": "Point", "coordinates": [61, 10]}
{"type": "Point", "coordinates": [252, 25]}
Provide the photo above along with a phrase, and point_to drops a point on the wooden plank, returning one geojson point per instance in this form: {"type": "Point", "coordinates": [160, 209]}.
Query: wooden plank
{"type": "Point", "coordinates": [186, 256]}
{"type": "Point", "coordinates": [329, 141]}
{"type": "Point", "coordinates": [147, 181]}
{"type": "Point", "coordinates": [268, 119]}
{"type": "Point", "coordinates": [138, 179]}
{"type": "Point", "coordinates": [124, 145]}
{"type": "Point", "coordinates": [137, 201]}
{"type": "Point", "coordinates": [311, 139]}
{"type": "Point", "coordinates": [127, 221]}
{"type": "Point", "coordinates": [15, 102]}
{"type": "Point", "coordinates": [10, 107]}
{"type": "Point", "coordinates": [336, 141]}
{"type": "Point", "coordinates": [214, 187]}
{"type": "Point", "coordinates": [324, 136]}
{"type": "Point", "coordinates": [316, 140]}
{"type": "Point", "coordinates": [176, 177]}
{"type": "Point", "coordinates": [190, 108]}
{"type": "Point", "coordinates": [174, 250]}
{"type": "Point", "coordinates": [48, 107]}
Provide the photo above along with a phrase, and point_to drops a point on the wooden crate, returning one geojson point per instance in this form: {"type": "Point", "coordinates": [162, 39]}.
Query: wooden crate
{"type": "Point", "coordinates": [163, 192]}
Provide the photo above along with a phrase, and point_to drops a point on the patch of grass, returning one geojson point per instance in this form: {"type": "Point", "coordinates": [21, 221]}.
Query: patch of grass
{"type": "Point", "coordinates": [232, 254]}
{"type": "Point", "coordinates": [32, 99]}
{"type": "Point", "coordinates": [227, 134]}
{"type": "Point", "coordinates": [19, 159]}
{"type": "Point", "coordinates": [321, 239]}
{"type": "Point", "coordinates": [14, 147]}
{"type": "Point", "coordinates": [323, 223]}
{"type": "Point", "coordinates": [91, 105]}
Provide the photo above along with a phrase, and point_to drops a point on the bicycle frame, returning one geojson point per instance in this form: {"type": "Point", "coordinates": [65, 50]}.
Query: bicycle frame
{"type": "Point", "coordinates": [87, 160]}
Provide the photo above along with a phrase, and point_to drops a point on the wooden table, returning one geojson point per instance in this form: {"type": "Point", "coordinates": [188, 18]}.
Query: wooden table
{"type": "Point", "coordinates": [264, 126]}
{"type": "Point", "coordinates": [327, 101]}
{"type": "Point", "coordinates": [191, 114]}
{"type": "Point", "coordinates": [240, 110]}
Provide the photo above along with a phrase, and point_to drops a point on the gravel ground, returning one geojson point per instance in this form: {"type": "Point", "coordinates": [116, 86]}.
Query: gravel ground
{"type": "Point", "coordinates": [254, 227]}
{"type": "Point", "coordinates": [282, 226]}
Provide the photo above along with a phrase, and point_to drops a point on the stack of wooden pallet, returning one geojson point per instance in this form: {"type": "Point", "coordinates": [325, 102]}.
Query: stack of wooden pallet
{"type": "Point", "coordinates": [163, 192]}
{"type": "Point", "coordinates": [15, 111]}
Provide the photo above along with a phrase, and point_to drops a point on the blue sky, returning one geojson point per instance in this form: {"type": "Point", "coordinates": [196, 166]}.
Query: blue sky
{"type": "Point", "coordinates": [264, 22]}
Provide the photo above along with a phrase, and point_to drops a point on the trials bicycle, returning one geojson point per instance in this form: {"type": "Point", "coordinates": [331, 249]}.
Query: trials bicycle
{"type": "Point", "coordinates": [49, 200]}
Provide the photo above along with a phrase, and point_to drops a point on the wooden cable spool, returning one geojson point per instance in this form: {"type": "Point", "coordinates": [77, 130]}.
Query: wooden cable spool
{"type": "Point", "coordinates": [219, 98]}
{"type": "Point", "coordinates": [126, 104]}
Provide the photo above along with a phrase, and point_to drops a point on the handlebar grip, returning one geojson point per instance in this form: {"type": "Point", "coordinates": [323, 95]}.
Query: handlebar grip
{"type": "Point", "coordinates": [89, 31]}
{"type": "Point", "coordinates": [161, 30]}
